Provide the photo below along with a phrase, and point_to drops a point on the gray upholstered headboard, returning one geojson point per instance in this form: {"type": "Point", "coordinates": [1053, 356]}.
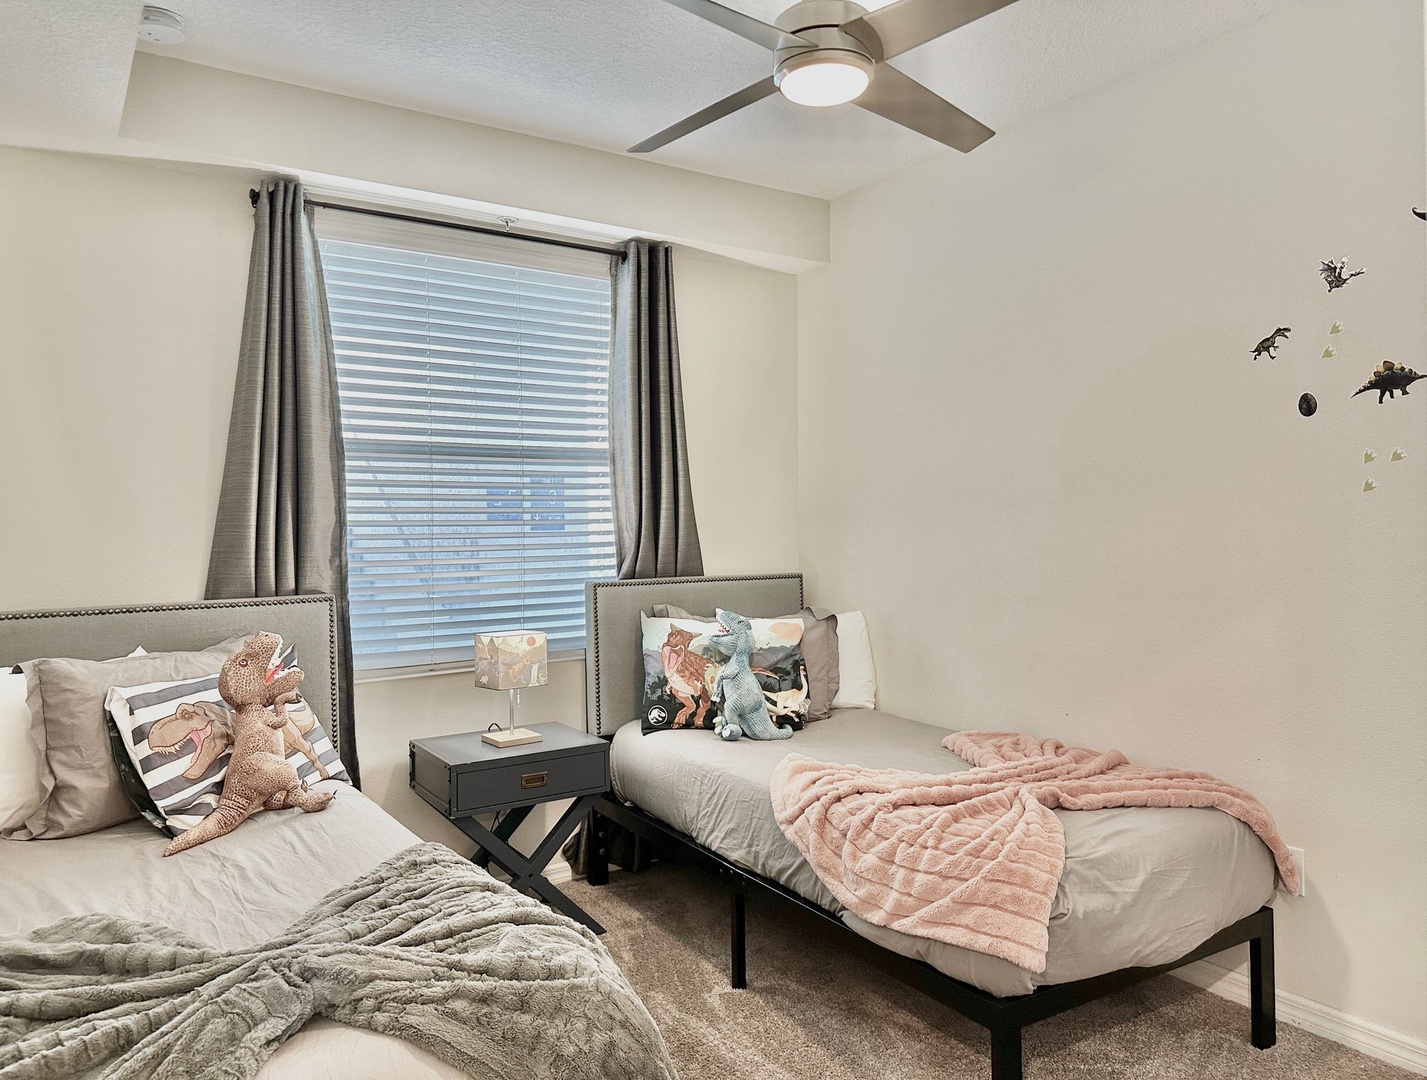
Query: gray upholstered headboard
{"type": "Point", "coordinates": [614, 666]}
{"type": "Point", "coordinates": [308, 622]}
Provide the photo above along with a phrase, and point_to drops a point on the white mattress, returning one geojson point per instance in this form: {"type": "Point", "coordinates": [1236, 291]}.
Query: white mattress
{"type": "Point", "coordinates": [231, 892]}
{"type": "Point", "coordinates": [1142, 886]}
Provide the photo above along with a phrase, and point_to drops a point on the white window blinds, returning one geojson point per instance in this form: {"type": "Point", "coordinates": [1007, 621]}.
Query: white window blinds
{"type": "Point", "coordinates": [474, 377]}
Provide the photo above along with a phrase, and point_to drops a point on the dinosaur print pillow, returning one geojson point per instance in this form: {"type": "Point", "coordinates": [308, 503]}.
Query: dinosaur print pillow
{"type": "Point", "coordinates": [681, 667]}
{"type": "Point", "coordinates": [172, 741]}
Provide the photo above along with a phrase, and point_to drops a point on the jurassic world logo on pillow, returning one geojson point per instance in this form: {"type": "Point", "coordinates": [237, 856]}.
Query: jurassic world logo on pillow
{"type": "Point", "coordinates": [681, 667]}
{"type": "Point", "coordinates": [178, 737]}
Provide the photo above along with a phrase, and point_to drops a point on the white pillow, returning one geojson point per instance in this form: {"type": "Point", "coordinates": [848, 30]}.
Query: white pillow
{"type": "Point", "coordinates": [19, 756]}
{"type": "Point", "coordinates": [857, 678]}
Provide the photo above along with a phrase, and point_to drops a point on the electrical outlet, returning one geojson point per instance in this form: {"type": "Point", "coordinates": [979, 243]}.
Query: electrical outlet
{"type": "Point", "coordinates": [1298, 864]}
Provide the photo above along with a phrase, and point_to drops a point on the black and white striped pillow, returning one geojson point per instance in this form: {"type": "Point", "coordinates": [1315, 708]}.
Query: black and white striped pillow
{"type": "Point", "coordinates": [176, 779]}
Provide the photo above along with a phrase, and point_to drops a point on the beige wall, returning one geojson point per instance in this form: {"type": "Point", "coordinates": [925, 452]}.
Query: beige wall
{"type": "Point", "coordinates": [1034, 448]}
{"type": "Point", "coordinates": [121, 299]}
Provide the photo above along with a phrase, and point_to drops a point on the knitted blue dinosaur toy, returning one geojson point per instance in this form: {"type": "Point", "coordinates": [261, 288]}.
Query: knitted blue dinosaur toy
{"type": "Point", "coordinates": [744, 709]}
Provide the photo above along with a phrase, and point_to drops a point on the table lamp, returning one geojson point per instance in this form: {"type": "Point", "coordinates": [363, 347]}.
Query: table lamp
{"type": "Point", "coordinates": [511, 661]}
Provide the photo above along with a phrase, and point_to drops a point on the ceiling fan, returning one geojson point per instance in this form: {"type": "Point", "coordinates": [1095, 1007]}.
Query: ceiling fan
{"type": "Point", "coordinates": [829, 52]}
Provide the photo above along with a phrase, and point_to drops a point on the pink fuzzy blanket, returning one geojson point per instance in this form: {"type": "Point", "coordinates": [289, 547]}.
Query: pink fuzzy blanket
{"type": "Point", "coordinates": [973, 858]}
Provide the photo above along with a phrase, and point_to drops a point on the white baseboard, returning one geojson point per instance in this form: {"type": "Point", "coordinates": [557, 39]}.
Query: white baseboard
{"type": "Point", "coordinates": [1372, 1039]}
{"type": "Point", "coordinates": [558, 871]}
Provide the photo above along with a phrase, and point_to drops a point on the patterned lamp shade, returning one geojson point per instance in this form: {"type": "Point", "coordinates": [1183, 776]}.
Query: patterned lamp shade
{"type": "Point", "coordinates": [511, 660]}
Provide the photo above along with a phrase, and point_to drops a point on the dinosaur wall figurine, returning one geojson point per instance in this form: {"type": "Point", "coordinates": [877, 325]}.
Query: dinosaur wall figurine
{"type": "Point", "coordinates": [744, 710]}
{"type": "Point", "coordinates": [1336, 273]}
{"type": "Point", "coordinates": [1268, 344]}
{"type": "Point", "coordinates": [1387, 379]}
{"type": "Point", "coordinates": [209, 724]}
{"type": "Point", "coordinates": [259, 775]}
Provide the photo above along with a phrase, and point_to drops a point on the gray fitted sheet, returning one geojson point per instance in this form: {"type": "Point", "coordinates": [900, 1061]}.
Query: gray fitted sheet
{"type": "Point", "coordinates": [1142, 885]}
{"type": "Point", "coordinates": [231, 892]}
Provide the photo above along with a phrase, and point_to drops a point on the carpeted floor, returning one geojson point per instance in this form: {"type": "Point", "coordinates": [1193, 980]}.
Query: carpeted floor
{"type": "Point", "coordinates": [815, 1012]}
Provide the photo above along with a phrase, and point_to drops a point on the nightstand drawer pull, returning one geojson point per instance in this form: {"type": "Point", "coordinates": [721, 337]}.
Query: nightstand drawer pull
{"type": "Point", "coordinates": [534, 779]}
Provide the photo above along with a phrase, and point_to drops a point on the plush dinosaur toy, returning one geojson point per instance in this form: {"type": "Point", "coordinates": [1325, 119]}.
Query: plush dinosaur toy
{"type": "Point", "coordinates": [744, 709]}
{"type": "Point", "coordinates": [259, 775]}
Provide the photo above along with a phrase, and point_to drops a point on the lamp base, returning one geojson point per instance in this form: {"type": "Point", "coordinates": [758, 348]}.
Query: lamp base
{"type": "Point", "coordinates": [519, 737]}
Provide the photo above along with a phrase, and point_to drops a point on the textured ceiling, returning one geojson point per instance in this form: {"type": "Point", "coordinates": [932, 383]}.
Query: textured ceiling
{"type": "Point", "coordinates": [66, 64]}
{"type": "Point", "coordinates": [607, 73]}
{"type": "Point", "coordinates": [600, 73]}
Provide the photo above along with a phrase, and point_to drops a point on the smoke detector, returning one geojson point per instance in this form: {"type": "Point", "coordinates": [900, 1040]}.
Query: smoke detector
{"type": "Point", "coordinates": [161, 27]}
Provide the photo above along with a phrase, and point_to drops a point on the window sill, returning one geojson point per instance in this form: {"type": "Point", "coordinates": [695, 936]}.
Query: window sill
{"type": "Point", "coordinates": [421, 671]}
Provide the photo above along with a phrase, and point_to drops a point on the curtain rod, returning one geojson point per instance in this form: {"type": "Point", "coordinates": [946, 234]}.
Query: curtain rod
{"type": "Point", "coordinates": [600, 249]}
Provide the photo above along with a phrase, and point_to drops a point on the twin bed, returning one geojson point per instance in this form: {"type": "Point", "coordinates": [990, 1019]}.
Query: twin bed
{"type": "Point", "coordinates": [1144, 890]}
{"type": "Point", "coordinates": [243, 889]}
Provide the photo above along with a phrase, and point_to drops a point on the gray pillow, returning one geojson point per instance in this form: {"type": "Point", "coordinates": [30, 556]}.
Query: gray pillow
{"type": "Point", "coordinates": [819, 653]}
{"type": "Point", "coordinates": [82, 789]}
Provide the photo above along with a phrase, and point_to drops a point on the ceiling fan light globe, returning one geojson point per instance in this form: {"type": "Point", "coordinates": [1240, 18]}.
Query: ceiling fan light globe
{"type": "Point", "coordinates": [822, 83]}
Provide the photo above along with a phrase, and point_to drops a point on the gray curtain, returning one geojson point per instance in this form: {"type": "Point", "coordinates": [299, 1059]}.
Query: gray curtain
{"type": "Point", "coordinates": [655, 531]}
{"type": "Point", "coordinates": [282, 515]}
{"type": "Point", "coordinates": [656, 534]}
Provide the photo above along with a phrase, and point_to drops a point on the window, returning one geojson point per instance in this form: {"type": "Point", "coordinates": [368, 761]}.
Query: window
{"type": "Point", "coordinates": [474, 380]}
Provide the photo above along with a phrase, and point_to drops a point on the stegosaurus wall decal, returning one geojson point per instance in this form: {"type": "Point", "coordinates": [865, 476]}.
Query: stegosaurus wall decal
{"type": "Point", "coordinates": [1387, 379]}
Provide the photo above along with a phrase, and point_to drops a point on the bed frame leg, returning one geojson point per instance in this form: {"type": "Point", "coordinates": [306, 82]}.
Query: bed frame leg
{"type": "Point", "coordinates": [1006, 1052]}
{"type": "Point", "coordinates": [738, 939]}
{"type": "Point", "coordinates": [597, 848]}
{"type": "Point", "coordinates": [1263, 1007]}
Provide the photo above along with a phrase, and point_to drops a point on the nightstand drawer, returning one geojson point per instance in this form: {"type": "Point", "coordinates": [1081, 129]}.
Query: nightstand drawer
{"type": "Point", "coordinates": [546, 778]}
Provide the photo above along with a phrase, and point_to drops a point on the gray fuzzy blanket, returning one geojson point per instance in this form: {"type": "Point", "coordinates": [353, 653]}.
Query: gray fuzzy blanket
{"type": "Point", "coordinates": [425, 947]}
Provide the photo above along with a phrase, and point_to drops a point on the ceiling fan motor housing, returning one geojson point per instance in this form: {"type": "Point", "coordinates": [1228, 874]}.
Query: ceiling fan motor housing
{"type": "Point", "coordinates": [821, 38]}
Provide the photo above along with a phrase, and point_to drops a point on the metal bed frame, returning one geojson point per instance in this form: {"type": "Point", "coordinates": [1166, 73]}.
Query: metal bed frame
{"type": "Point", "coordinates": [1003, 1017]}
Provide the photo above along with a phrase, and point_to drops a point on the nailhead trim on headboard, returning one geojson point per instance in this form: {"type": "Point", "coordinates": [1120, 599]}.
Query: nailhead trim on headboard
{"type": "Point", "coordinates": [594, 629]}
{"type": "Point", "coordinates": [209, 605]}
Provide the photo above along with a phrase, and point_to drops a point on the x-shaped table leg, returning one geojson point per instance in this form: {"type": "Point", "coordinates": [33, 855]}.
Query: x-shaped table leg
{"type": "Point", "coordinates": [527, 872]}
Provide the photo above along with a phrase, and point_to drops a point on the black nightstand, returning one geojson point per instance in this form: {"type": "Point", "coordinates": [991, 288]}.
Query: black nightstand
{"type": "Point", "coordinates": [461, 776]}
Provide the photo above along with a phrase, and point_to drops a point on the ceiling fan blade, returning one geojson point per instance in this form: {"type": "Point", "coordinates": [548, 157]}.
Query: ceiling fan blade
{"type": "Point", "coordinates": [909, 23]}
{"type": "Point", "coordinates": [770, 37]}
{"type": "Point", "coordinates": [902, 99]}
{"type": "Point", "coordinates": [731, 104]}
